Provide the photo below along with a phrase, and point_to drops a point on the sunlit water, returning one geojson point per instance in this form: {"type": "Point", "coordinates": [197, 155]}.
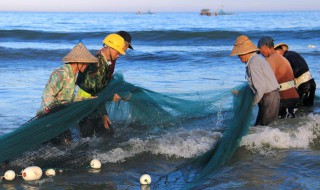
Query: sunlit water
{"type": "Point", "coordinates": [174, 54]}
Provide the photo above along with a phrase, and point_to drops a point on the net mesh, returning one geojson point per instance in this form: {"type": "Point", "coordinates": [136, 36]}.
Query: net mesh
{"type": "Point", "coordinates": [237, 124]}
{"type": "Point", "coordinates": [141, 107]}
{"type": "Point", "coordinates": [209, 162]}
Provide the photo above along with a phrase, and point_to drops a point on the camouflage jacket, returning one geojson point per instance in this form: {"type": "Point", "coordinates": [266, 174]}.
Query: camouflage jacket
{"type": "Point", "coordinates": [60, 87]}
{"type": "Point", "coordinates": [96, 76]}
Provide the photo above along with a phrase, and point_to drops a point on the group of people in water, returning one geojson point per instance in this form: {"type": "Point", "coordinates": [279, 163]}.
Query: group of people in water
{"type": "Point", "coordinates": [281, 82]}
{"type": "Point", "coordinates": [83, 76]}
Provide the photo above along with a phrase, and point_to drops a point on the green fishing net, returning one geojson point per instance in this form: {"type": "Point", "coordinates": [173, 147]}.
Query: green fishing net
{"type": "Point", "coordinates": [223, 151]}
{"type": "Point", "coordinates": [236, 124]}
{"type": "Point", "coordinates": [139, 107]}
{"type": "Point", "coordinates": [156, 112]}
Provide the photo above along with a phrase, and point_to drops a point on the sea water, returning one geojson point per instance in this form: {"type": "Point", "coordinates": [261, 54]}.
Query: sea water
{"type": "Point", "coordinates": [174, 54]}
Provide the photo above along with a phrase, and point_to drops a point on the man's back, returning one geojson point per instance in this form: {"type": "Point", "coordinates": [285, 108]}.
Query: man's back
{"type": "Point", "coordinates": [283, 72]}
{"type": "Point", "coordinates": [298, 64]}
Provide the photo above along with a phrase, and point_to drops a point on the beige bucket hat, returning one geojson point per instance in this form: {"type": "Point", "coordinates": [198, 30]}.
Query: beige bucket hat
{"type": "Point", "coordinates": [79, 54]}
{"type": "Point", "coordinates": [243, 45]}
{"type": "Point", "coordinates": [284, 46]}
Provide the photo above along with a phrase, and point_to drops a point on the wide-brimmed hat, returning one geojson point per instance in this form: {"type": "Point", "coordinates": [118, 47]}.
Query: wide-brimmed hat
{"type": "Point", "coordinates": [79, 54]}
{"type": "Point", "coordinates": [126, 36]}
{"type": "Point", "coordinates": [284, 46]}
{"type": "Point", "coordinates": [243, 45]}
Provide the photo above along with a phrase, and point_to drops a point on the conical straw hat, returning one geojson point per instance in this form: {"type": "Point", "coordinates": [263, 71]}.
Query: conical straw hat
{"type": "Point", "coordinates": [243, 45]}
{"type": "Point", "coordinates": [283, 46]}
{"type": "Point", "coordinates": [79, 54]}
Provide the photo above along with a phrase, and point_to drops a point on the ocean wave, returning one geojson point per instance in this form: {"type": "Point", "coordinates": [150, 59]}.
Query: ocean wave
{"type": "Point", "coordinates": [33, 54]}
{"type": "Point", "coordinates": [181, 144]}
{"type": "Point", "coordinates": [45, 36]}
{"type": "Point", "coordinates": [156, 36]}
{"type": "Point", "coordinates": [55, 52]}
{"type": "Point", "coordinates": [301, 133]}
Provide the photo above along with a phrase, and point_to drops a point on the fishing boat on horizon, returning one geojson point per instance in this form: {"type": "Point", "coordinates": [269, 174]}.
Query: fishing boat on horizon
{"type": "Point", "coordinates": [149, 12]}
{"type": "Point", "coordinates": [207, 12]}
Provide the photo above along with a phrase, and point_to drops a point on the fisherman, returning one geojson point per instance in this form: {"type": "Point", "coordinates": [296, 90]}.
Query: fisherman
{"type": "Point", "coordinates": [261, 80]}
{"type": "Point", "coordinates": [289, 97]}
{"type": "Point", "coordinates": [304, 82]}
{"type": "Point", "coordinates": [96, 77]}
{"type": "Point", "coordinates": [61, 86]}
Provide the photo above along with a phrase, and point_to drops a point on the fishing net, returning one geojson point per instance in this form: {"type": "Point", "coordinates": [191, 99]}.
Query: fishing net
{"type": "Point", "coordinates": [237, 125]}
{"type": "Point", "coordinates": [209, 162]}
{"type": "Point", "coordinates": [141, 107]}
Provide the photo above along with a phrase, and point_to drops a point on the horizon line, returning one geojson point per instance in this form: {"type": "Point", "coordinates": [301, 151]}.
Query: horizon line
{"type": "Point", "coordinates": [29, 11]}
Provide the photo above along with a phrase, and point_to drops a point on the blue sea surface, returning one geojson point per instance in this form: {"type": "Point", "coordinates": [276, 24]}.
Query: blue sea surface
{"type": "Point", "coordinates": [174, 54]}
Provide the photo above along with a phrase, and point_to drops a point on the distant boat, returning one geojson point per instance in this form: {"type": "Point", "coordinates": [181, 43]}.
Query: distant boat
{"type": "Point", "coordinates": [207, 12]}
{"type": "Point", "coordinates": [221, 12]}
{"type": "Point", "coordinates": [148, 12]}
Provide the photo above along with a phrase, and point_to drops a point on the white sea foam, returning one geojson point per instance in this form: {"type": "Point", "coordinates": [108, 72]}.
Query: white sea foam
{"type": "Point", "coordinates": [301, 134]}
{"type": "Point", "coordinates": [311, 46]}
{"type": "Point", "coordinates": [183, 143]}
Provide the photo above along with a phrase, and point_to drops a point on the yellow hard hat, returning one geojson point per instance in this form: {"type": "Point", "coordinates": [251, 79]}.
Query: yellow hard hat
{"type": "Point", "coordinates": [116, 42]}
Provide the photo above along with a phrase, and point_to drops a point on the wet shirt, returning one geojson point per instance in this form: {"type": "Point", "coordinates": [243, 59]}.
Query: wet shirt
{"type": "Point", "coordinates": [260, 76]}
{"type": "Point", "coordinates": [60, 87]}
{"type": "Point", "coordinates": [96, 76]}
{"type": "Point", "coordinates": [283, 72]}
{"type": "Point", "coordinates": [298, 64]}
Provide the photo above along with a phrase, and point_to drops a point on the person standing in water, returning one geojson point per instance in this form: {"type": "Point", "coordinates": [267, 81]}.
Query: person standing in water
{"type": "Point", "coordinates": [95, 78]}
{"type": "Point", "coordinates": [304, 82]}
{"type": "Point", "coordinates": [289, 97]}
{"type": "Point", "coordinates": [261, 80]}
{"type": "Point", "coordinates": [61, 86]}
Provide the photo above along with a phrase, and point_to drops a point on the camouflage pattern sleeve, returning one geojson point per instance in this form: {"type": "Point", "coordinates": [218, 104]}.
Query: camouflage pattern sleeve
{"type": "Point", "coordinates": [53, 87]}
{"type": "Point", "coordinates": [87, 80]}
{"type": "Point", "coordinates": [95, 77]}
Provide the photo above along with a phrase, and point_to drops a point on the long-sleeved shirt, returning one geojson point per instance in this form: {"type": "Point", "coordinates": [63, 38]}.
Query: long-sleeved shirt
{"type": "Point", "coordinates": [60, 87]}
{"type": "Point", "coordinates": [260, 76]}
{"type": "Point", "coordinates": [283, 72]}
{"type": "Point", "coordinates": [96, 76]}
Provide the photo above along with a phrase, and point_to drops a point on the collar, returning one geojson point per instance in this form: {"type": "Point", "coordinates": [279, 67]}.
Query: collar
{"type": "Point", "coordinates": [251, 58]}
{"type": "Point", "coordinates": [105, 59]}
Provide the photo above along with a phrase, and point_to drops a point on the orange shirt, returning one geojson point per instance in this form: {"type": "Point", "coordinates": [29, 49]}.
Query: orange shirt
{"type": "Point", "coordinates": [283, 72]}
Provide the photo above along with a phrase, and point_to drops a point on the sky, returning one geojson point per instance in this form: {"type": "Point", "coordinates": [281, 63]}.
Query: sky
{"type": "Point", "coordinates": [157, 5]}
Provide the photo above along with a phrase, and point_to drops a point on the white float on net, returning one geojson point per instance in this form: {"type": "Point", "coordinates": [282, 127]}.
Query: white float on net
{"type": "Point", "coordinates": [145, 179]}
{"type": "Point", "coordinates": [9, 175]}
{"type": "Point", "coordinates": [50, 172]}
{"type": "Point", "coordinates": [95, 164]}
{"type": "Point", "coordinates": [31, 173]}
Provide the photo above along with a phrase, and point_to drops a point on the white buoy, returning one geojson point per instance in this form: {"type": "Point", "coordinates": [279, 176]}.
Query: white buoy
{"type": "Point", "coordinates": [31, 173]}
{"type": "Point", "coordinates": [50, 172]}
{"type": "Point", "coordinates": [9, 175]}
{"type": "Point", "coordinates": [28, 174]}
{"type": "Point", "coordinates": [95, 164]}
{"type": "Point", "coordinates": [145, 179]}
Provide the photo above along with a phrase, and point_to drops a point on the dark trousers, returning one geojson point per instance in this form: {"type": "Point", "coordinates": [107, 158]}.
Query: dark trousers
{"type": "Point", "coordinates": [268, 108]}
{"type": "Point", "coordinates": [306, 92]}
{"type": "Point", "coordinates": [287, 107]}
{"type": "Point", "coordinates": [93, 124]}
